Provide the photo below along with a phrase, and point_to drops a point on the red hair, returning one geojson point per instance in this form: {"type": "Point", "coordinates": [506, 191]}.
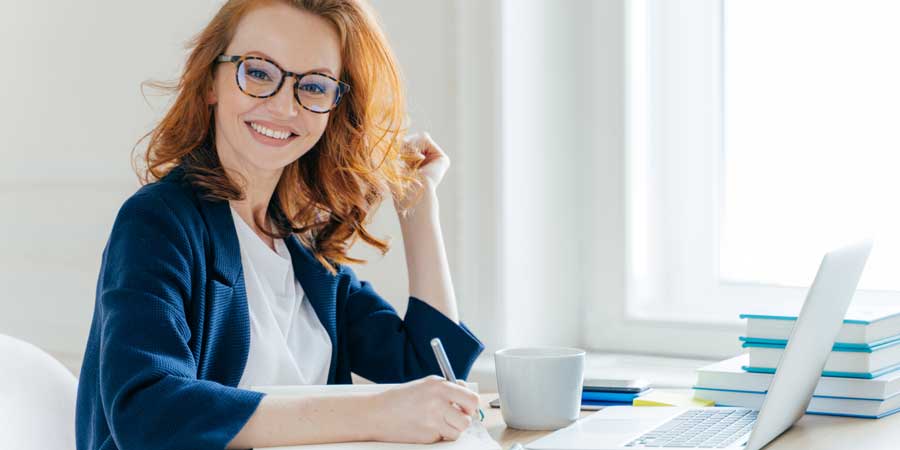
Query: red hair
{"type": "Point", "coordinates": [327, 196]}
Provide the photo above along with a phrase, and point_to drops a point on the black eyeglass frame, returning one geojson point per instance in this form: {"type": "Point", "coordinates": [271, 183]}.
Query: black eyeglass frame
{"type": "Point", "coordinates": [343, 87]}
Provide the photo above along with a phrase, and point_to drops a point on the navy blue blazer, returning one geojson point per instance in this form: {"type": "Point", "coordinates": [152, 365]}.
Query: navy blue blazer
{"type": "Point", "coordinates": [170, 331]}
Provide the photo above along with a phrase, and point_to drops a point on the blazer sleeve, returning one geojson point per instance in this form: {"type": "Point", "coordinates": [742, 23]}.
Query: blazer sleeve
{"type": "Point", "coordinates": [387, 349]}
{"type": "Point", "coordinates": [148, 387]}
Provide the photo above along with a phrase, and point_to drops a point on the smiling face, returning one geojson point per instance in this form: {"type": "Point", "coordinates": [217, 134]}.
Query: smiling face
{"type": "Point", "coordinates": [250, 132]}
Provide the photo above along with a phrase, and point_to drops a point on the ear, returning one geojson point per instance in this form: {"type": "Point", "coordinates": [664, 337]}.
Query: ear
{"type": "Point", "coordinates": [211, 97]}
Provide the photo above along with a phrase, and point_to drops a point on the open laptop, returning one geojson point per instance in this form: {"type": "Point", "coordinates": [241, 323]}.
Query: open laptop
{"type": "Point", "coordinates": [625, 427]}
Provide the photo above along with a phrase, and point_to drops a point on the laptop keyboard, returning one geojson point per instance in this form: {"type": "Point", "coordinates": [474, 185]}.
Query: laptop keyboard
{"type": "Point", "coordinates": [705, 428]}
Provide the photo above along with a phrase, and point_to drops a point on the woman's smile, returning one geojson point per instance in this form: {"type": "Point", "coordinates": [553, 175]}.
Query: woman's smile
{"type": "Point", "coordinates": [268, 135]}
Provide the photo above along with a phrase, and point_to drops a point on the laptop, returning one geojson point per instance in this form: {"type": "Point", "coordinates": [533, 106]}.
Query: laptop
{"type": "Point", "coordinates": [796, 376]}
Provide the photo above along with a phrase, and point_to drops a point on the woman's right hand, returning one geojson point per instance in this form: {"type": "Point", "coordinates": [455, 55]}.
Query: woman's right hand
{"type": "Point", "coordinates": [423, 411]}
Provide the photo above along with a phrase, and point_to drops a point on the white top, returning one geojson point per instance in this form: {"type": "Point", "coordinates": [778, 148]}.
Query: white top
{"type": "Point", "coordinates": [288, 344]}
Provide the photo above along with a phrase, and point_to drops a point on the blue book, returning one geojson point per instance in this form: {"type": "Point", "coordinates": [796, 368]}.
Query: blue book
{"type": "Point", "coordinates": [823, 405]}
{"type": "Point", "coordinates": [619, 397]}
{"type": "Point", "coordinates": [598, 403]}
{"type": "Point", "coordinates": [864, 326]}
{"type": "Point", "coordinates": [846, 362]}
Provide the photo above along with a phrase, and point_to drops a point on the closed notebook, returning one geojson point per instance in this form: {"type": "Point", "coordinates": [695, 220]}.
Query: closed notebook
{"type": "Point", "coordinates": [729, 375]}
{"type": "Point", "coordinates": [842, 362]}
{"type": "Point", "coordinates": [864, 325]}
{"type": "Point", "coordinates": [619, 397]}
{"type": "Point", "coordinates": [475, 437]}
{"type": "Point", "coordinates": [832, 406]}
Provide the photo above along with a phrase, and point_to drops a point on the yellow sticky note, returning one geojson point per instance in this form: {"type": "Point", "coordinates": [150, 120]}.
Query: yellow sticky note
{"type": "Point", "coordinates": [662, 398]}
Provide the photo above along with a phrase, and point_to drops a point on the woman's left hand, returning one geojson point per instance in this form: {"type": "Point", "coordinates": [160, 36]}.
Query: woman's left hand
{"type": "Point", "coordinates": [434, 162]}
{"type": "Point", "coordinates": [429, 162]}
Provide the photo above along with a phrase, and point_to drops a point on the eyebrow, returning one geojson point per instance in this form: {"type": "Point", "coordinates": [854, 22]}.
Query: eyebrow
{"type": "Point", "coordinates": [317, 69]}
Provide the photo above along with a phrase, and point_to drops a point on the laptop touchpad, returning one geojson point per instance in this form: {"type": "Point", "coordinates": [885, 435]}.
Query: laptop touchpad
{"type": "Point", "coordinates": [610, 427]}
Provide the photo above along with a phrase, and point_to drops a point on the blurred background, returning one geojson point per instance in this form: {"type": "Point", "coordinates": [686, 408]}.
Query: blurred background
{"type": "Point", "coordinates": [627, 176]}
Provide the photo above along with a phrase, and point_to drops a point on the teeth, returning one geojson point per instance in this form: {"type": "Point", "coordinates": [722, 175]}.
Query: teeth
{"type": "Point", "coordinates": [269, 132]}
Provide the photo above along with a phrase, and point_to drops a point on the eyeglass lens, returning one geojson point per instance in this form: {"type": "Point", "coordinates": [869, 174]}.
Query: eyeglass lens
{"type": "Point", "coordinates": [261, 78]}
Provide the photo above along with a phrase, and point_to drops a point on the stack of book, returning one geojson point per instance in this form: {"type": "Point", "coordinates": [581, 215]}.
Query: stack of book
{"type": "Point", "coordinates": [861, 377]}
{"type": "Point", "coordinates": [598, 394]}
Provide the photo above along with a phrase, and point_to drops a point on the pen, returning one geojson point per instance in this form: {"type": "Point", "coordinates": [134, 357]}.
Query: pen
{"type": "Point", "coordinates": [446, 369]}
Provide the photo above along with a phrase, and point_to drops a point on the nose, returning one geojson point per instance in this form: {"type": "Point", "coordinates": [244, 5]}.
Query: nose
{"type": "Point", "coordinates": [283, 105]}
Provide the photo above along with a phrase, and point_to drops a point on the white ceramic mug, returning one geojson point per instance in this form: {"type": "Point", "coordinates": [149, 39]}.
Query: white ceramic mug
{"type": "Point", "coordinates": [540, 387]}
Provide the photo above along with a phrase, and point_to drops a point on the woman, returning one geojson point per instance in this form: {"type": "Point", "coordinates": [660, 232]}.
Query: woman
{"type": "Point", "coordinates": [229, 269]}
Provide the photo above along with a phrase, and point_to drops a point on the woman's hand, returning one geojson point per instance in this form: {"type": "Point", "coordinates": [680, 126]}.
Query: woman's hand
{"type": "Point", "coordinates": [434, 162]}
{"type": "Point", "coordinates": [430, 164]}
{"type": "Point", "coordinates": [423, 411]}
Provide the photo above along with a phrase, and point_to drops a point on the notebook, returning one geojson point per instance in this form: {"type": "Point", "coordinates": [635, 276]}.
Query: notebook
{"type": "Point", "coordinates": [864, 325]}
{"type": "Point", "coordinates": [729, 376]}
{"type": "Point", "coordinates": [476, 437]}
{"type": "Point", "coordinates": [842, 362]}
{"type": "Point", "coordinates": [829, 406]}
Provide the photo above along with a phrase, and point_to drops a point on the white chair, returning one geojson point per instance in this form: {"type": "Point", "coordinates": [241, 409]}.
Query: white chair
{"type": "Point", "coordinates": [37, 398]}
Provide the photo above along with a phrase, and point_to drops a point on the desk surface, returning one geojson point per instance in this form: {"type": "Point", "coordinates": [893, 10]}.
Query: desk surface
{"type": "Point", "coordinates": [811, 432]}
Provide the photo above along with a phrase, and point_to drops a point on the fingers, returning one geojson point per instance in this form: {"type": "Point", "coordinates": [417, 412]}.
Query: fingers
{"type": "Point", "coordinates": [457, 419]}
{"type": "Point", "coordinates": [456, 422]}
{"type": "Point", "coordinates": [466, 399]}
{"type": "Point", "coordinates": [423, 143]}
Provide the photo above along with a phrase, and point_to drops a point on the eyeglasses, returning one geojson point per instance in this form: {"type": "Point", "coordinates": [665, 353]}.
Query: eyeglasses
{"type": "Point", "coordinates": [261, 78]}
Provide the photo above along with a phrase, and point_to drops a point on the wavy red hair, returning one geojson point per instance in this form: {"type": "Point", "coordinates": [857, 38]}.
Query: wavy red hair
{"type": "Point", "coordinates": [327, 196]}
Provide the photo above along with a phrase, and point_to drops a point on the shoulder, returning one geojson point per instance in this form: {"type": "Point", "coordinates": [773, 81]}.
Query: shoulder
{"type": "Point", "coordinates": [168, 202]}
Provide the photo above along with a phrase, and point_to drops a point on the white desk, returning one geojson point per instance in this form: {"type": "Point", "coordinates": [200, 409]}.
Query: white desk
{"type": "Point", "coordinates": [811, 432]}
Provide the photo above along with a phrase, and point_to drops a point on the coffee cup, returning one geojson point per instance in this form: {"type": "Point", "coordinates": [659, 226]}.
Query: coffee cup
{"type": "Point", "coordinates": [540, 387]}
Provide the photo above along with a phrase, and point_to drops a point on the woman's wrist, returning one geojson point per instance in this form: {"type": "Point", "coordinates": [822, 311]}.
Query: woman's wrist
{"type": "Point", "coordinates": [426, 207]}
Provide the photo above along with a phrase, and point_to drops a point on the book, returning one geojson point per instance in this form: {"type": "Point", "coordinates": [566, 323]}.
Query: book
{"type": "Point", "coordinates": [605, 396]}
{"type": "Point", "coordinates": [836, 346]}
{"type": "Point", "coordinates": [842, 362]}
{"type": "Point", "coordinates": [729, 375]}
{"type": "Point", "coordinates": [832, 406]}
{"type": "Point", "coordinates": [863, 325]}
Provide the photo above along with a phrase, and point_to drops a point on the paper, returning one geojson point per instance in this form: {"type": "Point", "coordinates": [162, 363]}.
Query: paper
{"type": "Point", "coordinates": [476, 437]}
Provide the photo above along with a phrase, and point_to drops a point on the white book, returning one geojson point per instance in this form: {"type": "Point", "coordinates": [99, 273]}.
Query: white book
{"type": "Point", "coordinates": [729, 375]}
{"type": "Point", "coordinates": [863, 325]}
{"type": "Point", "coordinates": [842, 362]}
{"type": "Point", "coordinates": [476, 437]}
{"type": "Point", "coordinates": [834, 406]}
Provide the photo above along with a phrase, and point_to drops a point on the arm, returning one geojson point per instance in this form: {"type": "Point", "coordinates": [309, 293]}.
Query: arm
{"type": "Point", "coordinates": [422, 411]}
{"type": "Point", "coordinates": [281, 421]}
{"type": "Point", "coordinates": [385, 349]}
{"type": "Point", "coordinates": [426, 258]}
{"type": "Point", "coordinates": [148, 387]}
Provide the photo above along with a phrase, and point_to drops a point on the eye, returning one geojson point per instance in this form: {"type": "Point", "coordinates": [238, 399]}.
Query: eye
{"type": "Point", "coordinates": [313, 88]}
{"type": "Point", "coordinates": [259, 75]}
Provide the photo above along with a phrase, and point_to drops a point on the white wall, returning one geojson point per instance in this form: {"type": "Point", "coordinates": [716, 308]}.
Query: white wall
{"type": "Point", "coordinates": [532, 208]}
{"type": "Point", "coordinates": [72, 112]}
{"type": "Point", "coordinates": [73, 109]}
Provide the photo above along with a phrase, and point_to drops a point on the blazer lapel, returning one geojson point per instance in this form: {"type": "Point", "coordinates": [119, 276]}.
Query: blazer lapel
{"type": "Point", "coordinates": [226, 250]}
{"type": "Point", "coordinates": [321, 289]}
{"type": "Point", "coordinates": [319, 285]}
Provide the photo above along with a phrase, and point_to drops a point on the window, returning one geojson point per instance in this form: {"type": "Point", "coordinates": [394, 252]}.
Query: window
{"type": "Point", "coordinates": [761, 134]}
{"type": "Point", "coordinates": [812, 105]}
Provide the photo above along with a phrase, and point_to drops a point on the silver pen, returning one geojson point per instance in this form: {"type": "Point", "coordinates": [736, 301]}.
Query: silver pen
{"type": "Point", "coordinates": [446, 368]}
{"type": "Point", "coordinates": [442, 360]}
